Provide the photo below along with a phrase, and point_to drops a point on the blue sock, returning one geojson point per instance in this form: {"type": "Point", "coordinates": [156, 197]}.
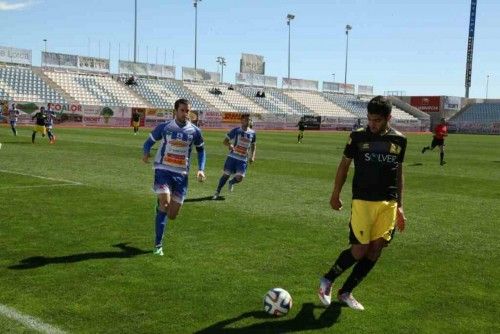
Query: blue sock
{"type": "Point", "coordinates": [160, 224]}
{"type": "Point", "coordinates": [222, 182]}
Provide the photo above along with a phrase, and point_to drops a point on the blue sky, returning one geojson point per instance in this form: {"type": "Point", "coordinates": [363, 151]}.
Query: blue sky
{"type": "Point", "coordinates": [414, 46]}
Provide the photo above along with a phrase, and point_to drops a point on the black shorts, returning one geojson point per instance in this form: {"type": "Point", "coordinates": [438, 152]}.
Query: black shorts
{"type": "Point", "coordinates": [437, 142]}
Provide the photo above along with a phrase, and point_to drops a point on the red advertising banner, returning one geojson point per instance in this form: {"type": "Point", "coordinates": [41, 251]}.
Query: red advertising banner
{"type": "Point", "coordinates": [231, 117]}
{"type": "Point", "coordinates": [426, 103]}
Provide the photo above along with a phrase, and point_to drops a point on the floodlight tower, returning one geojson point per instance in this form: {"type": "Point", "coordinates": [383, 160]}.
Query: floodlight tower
{"type": "Point", "coordinates": [222, 62]}
{"type": "Point", "coordinates": [289, 18]}
{"type": "Point", "coordinates": [135, 32]}
{"type": "Point", "coordinates": [45, 42]}
{"type": "Point", "coordinates": [487, 82]}
{"type": "Point", "coordinates": [347, 29]}
{"type": "Point", "coordinates": [470, 47]}
{"type": "Point", "coordinates": [195, 4]}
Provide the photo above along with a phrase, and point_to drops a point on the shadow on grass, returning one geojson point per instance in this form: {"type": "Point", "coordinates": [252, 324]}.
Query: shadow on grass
{"type": "Point", "coordinates": [303, 321]}
{"type": "Point", "coordinates": [416, 164]}
{"type": "Point", "coordinates": [206, 198]}
{"type": "Point", "coordinates": [40, 261]}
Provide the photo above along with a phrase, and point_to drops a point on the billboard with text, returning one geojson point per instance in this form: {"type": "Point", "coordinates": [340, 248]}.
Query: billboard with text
{"type": "Point", "coordinates": [93, 64]}
{"type": "Point", "coordinates": [15, 55]}
{"type": "Point", "coordinates": [300, 84]}
{"type": "Point", "coordinates": [365, 90]}
{"type": "Point", "coordinates": [61, 60]}
{"type": "Point", "coordinates": [143, 69]}
{"type": "Point", "coordinates": [426, 103]}
{"type": "Point", "coordinates": [52, 59]}
{"type": "Point", "coordinates": [252, 79]}
{"type": "Point", "coordinates": [252, 64]}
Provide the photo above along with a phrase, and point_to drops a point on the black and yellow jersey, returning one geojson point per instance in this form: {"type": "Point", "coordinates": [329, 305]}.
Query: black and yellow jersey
{"type": "Point", "coordinates": [40, 118]}
{"type": "Point", "coordinates": [136, 117]}
{"type": "Point", "coordinates": [376, 161]}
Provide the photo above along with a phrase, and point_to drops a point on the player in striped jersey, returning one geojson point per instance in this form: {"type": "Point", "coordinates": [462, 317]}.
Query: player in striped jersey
{"type": "Point", "coordinates": [49, 123]}
{"type": "Point", "coordinates": [241, 143]}
{"type": "Point", "coordinates": [13, 114]}
{"type": "Point", "coordinates": [171, 165]}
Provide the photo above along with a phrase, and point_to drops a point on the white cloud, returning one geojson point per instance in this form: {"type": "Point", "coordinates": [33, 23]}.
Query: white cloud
{"type": "Point", "coordinates": [4, 5]}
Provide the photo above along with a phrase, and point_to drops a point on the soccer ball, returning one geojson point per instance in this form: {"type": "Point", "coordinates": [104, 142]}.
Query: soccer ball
{"type": "Point", "coordinates": [277, 302]}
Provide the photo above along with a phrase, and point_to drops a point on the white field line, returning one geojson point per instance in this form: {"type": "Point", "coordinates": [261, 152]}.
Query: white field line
{"type": "Point", "coordinates": [41, 186]}
{"type": "Point", "coordinates": [41, 177]}
{"type": "Point", "coordinates": [28, 321]}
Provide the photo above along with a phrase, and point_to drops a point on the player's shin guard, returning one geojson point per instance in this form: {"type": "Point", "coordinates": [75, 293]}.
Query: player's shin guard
{"type": "Point", "coordinates": [441, 157]}
{"type": "Point", "coordinates": [33, 137]}
{"type": "Point", "coordinates": [222, 181]}
{"type": "Point", "coordinates": [344, 262]}
{"type": "Point", "coordinates": [360, 270]}
{"type": "Point", "coordinates": [160, 224]}
{"type": "Point", "coordinates": [14, 131]}
{"type": "Point", "coordinates": [50, 135]}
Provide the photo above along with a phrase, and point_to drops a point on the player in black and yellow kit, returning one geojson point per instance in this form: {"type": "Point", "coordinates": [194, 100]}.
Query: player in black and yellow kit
{"type": "Point", "coordinates": [41, 119]}
{"type": "Point", "coordinates": [377, 206]}
{"type": "Point", "coordinates": [302, 127]}
{"type": "Point", "coordinates": [136, 121]}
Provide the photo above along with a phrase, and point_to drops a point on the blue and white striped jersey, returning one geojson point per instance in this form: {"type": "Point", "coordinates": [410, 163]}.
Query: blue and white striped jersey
{"type": "Point", "coordinates": [175, 147]}
{"type": "Point", "coordinates": [242, 141]}
{"type": "Point", "coordinates": [51, 115]}
{"type": "Point", "coordinates": [13, 114]}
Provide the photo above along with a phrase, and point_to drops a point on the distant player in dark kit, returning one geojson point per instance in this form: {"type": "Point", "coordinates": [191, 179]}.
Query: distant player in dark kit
{"type": "Point", "coordinates": [41, 118]}
{"type": "Point", "coordinates": [440, 131]}
{"type": "Point", "coordinates": [241, 143]}
{"type": "Point", "coordinates": [357, 125]}
{"type": "Point", "coordinates": [136, 121]}
{"type": "Point", "coordinates": [13, 114]}
{"type": "Point", "coordinates": [377, 205]}
{"type": "Point", "coordinates": [302, 127]}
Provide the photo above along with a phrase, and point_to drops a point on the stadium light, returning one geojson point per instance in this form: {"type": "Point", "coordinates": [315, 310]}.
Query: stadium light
{"type": "Point", "coordinates": [45, 42]}
{"type": "Point", "coordinates": [195, 4]}
{"type": "Point", "coordinates": [347, 29]}
{"type": "Point", "coordinates": [333, 75]}
{"type": "Point", "coordinates": [289, 18]}
{"type": "Point", "coordinates": [222, 62]}
{"type": "Point", "coordinates": [135, 33]}
{"type": "Point", "coordinates": [487, 82]}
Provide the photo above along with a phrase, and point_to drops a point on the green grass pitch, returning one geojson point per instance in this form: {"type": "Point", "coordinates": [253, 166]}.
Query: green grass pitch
{"type": "Point", "coordinates": [76, 234]}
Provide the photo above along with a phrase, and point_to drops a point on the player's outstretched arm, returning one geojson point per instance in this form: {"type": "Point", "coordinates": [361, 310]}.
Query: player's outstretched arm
{"type": "Point", "coordinates": [148, 144]}
{"type": "Point", "coordinates": [340, 178]}
{"type": "Point", "coordinates": [227, 143]}
{"type": "Point", "coordinates": [202, 159]}
{"type": "Point", "coordinates": [252, 157]}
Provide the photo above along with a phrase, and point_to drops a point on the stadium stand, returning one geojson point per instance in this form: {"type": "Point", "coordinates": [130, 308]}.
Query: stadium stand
{"type": "Point", "coordinates": [22, 84]}
{"type": "Point", "coordinates": [274, 101]}
{"type": "Point", "coordinates": [96, 89]}
{"type": "Point", "coordinates": [162, 93]}
{"type": "Point", "coordinates": [478, 113]}
{"type": "Point", "coordinates": [319, 104]}
{"type": "Point", "coordinates": [357, 105]}
{"type": "Point", "coordinates": [227, 100]}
